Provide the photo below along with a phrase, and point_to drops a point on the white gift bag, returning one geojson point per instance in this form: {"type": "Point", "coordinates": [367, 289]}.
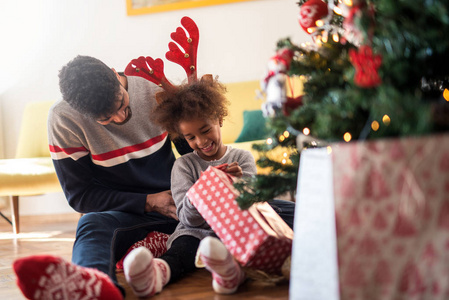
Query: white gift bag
{"type": "Point", "coordinates": [314, 270]}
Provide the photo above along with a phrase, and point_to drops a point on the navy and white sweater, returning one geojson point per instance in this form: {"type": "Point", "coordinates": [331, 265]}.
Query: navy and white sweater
{"type": "Point", "coordinates": [111, 167]}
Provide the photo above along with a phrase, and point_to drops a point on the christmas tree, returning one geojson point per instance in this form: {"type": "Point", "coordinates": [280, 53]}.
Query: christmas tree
{"type": "Point", "coordinates": [373, 69]}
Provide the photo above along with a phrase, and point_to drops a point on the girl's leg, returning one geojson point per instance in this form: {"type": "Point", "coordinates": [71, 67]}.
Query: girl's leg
{"type": "Point", "coordinates": [181, 256]}
{"type": "Point", "coordinates": [226, 272]}
{"type": "Point", "coordinates": [147, 275]}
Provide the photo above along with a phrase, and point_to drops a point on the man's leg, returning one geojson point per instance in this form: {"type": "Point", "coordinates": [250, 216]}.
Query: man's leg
{"type": "Point", "coordinates": [285, 209]}
{"type": "Point", "coordinates": [101, 239]}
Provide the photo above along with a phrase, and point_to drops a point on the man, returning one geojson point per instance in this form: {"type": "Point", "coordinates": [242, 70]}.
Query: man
{"type": "Point", "coordinates": [114, 166]}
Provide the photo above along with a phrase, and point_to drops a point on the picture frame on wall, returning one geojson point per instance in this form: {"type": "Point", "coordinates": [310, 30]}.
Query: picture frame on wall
{"type": "Point", "coordinates": [139, 7]}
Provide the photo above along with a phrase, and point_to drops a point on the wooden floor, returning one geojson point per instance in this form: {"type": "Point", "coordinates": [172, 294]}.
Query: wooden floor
{"type": "Point", "coordinates": [55, 235]}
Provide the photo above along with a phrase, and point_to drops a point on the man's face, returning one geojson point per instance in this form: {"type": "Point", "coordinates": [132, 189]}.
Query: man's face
{"type": "Point", "coordinates": [122, 111]}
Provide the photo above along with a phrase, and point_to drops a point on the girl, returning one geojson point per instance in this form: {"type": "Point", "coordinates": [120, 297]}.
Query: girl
{"type": "Point", "coordinates": [196, 112]}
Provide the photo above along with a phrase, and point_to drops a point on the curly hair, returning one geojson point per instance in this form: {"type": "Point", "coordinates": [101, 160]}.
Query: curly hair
{"type": "Point", "coordinates": [89, 86]}
{"type": "Point", "coordinates": [201, 99]}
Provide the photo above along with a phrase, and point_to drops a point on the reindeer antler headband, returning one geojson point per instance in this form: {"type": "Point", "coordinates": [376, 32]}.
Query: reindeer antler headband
{"type": "Point", "coordinates": [153, 69]}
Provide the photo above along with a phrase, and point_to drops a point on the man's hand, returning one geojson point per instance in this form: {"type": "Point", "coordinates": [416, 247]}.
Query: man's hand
{"type": "Point", "coordinates": [162, 203]}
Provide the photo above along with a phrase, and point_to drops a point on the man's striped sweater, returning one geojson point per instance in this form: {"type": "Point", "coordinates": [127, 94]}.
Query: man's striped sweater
{"type": "Point", "coordinates": [111, 167]}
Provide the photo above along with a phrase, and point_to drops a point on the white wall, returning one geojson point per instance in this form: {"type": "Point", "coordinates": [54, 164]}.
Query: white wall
{"type": "Point", "coordinates": [40, 36]}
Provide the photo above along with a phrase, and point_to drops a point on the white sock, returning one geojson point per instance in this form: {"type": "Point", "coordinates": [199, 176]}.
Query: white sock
{"type": "Point", "coordinates": [146, 275]}
{"type": "Point", "coordinates": [226, 272]}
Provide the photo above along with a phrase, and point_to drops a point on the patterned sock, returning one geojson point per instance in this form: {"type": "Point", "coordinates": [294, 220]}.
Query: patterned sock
{"type": "Point", "coordinates": [146, 275]}
{"type": "Point", "coordinates": [226, 272]}
{"type": "Point", "coordinates": [51, 277]}
{"type": "Point", "coordinates": [155, 241]}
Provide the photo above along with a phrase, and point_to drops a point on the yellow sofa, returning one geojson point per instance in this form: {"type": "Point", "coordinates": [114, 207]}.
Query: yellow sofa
{"type": "Point", "coordinates": [31, 172]}
{"type": "Point", "coordinates": [242, 96]}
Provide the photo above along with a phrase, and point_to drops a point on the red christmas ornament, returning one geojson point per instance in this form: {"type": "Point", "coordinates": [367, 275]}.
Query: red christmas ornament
{"type": "Point", "coordinates": [310, 12]}
{"type": "Point", "coordinates": [291, 104]}
{"type": "Point", "coordinates": [366, 67]}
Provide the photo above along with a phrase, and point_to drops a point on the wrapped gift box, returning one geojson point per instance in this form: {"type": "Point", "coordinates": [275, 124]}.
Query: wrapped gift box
{"type": "Point", "coordinates": [372, 221]}
{"type": "Point", "coordinates": [257, 238]}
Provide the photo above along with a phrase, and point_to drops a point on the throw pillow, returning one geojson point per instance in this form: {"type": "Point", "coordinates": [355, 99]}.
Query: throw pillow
{"type": "Point", "coordinates": [254, 127]}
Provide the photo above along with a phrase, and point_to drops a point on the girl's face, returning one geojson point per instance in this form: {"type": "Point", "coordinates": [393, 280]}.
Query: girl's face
{"type": "Point", "coordinates": [204, 136]}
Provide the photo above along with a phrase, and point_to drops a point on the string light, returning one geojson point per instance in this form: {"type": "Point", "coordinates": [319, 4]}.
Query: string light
{"type": "Point", "coordinates": [337, 10]}
{"type": "Point", "coordinates": [284, 161]}
{"type": "Point", "coordinates": [281, 138]}
{"type": "Point", "coordinates": [347, 2]}
{"type": "Point", "coordinates": [286, 134]}
{"type": "Point", "coordinates": [269, 141]}
{"type": "Point", "coordinates": [335, 37]}
{"type": "Point", "coordinates": [319, 23]}
{"type": "Point", "coordinates": [324, 38]}
{"type": "Point", "coordinates": [347, 137]}
{"type": "Point", "coordinates": [446, 95]}
{"type": "Point", "coordinates": [375, 125]}
{"type": "Point", "coordinates": [386, 119]}
{"type": "Point", "coordinates": [285, 154]}
{"type": "Point", "coordinates": [306, 131]}
{"type": "Point", "coordinates": [329, 149]}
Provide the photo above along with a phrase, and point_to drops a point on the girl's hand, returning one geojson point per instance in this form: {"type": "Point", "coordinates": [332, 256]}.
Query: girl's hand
{"type": "Point", "coordinates": [234, 169]}
{"type": "Point", "coordinates": [222, 167]}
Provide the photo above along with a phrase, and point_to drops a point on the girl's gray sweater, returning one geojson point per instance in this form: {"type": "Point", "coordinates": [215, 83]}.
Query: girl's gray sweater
{"type": "Point", "coordinates": [186, 171]}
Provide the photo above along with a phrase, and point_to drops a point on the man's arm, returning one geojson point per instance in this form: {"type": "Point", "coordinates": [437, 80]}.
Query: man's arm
{"type": "Point", "coordinates": [78, 175]}
{"type": "Point", "coordinates": [85, 194]}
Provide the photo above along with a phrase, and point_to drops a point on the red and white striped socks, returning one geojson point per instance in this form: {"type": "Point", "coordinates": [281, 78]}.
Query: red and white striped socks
{"type": "Point", "coordinates": [226, 272]}
{"type": "Point", "coordinates": [47, 277]}
{"type": "Point", "coordinates": [146, 275]}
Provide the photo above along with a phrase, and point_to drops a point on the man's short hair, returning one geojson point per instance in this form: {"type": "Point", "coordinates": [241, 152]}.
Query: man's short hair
{"type": "Point", "coordinates": [89, 86]}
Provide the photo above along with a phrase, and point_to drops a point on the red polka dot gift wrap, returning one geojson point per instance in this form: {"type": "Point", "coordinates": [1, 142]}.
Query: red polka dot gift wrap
{"type": "Point", "coordinates": [257, 238]}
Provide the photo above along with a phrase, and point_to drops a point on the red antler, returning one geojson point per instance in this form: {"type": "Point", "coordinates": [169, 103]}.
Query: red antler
{"type": "Point", "coordinates": [150, 69]}
{"type": "Point", "coordinates": [186, 58]}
